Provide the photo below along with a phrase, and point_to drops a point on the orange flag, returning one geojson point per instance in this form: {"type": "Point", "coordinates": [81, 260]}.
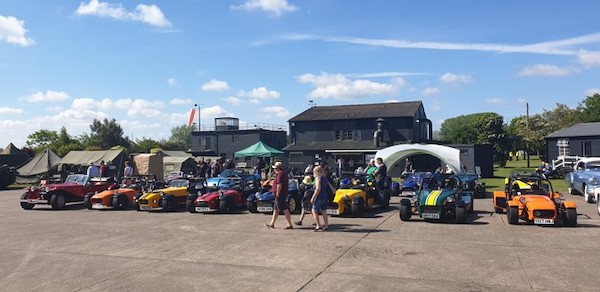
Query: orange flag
{"type": "Point", "coordinates": [192, 114]}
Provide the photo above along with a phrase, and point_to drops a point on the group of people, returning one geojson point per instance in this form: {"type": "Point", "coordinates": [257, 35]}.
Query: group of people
{"type": "Point", "coordinates": [545, 169]}
{"type": "Point", "coordinates": [208, 168]}
{"type": "Point", "coordinates": [319, 195]}
{"type": "Point", "coordinates": [101, 170]}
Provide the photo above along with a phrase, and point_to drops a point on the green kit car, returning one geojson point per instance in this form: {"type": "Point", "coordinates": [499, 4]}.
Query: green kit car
{"type": "Point", "coordinates": [440, 198]}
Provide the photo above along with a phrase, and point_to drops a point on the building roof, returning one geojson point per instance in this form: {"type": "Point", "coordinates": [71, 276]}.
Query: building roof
{"type": "Point", "coordinates": [332, 145]}
{"type": "Point", "coordinates": [359, 111]}
{"type": "Point", "coordinates": [578, 130]}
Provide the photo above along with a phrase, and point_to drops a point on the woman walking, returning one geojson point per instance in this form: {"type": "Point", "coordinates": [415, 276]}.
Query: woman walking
{"type": "Point", "coordinates": [319, 198]}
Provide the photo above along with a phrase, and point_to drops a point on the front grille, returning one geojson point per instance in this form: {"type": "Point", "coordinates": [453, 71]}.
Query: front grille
{"type": "Point", "coordinates": [202, 204]}
{"type": "Point", "coordinates": [96, 201]}
{"type": "Point", "coordinates": [264, 204]}
{"type": "Point", "coordinates": [431, 209]}
{"type": "Point", "coordinates": [332, 205]}
{"type": "Point", "coordinates": [142, 201]}
{"type": "Point", "coordinates": [543, 213]}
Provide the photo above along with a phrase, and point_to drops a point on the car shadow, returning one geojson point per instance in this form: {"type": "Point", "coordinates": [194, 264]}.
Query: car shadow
{"type": "Point", "coordinates": [66, 208]}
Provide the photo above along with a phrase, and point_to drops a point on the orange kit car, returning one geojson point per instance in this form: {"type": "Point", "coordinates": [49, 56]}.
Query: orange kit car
{"type": "Point", "coordinates": [124, 197]}
{"type": "Point", "coordinates": [531, 198]}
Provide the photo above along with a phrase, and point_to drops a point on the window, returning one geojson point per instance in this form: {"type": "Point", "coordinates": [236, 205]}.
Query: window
{"type": "Point", "coordinates": [344, 135]}
{"type": "Point", "coordinates": [563, 147]}
{"type": "Point", "coordinates": [205, 142]}
{"type": "Point", "coordinates": [586, 148]}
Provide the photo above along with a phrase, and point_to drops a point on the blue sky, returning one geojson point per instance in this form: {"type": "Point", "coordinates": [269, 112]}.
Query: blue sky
{"type": "Point", "coordinates": [145, 63]}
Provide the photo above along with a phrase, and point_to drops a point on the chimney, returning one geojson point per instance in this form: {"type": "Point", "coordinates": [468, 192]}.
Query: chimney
{"type": "Point", "coordinates": [378, 135]}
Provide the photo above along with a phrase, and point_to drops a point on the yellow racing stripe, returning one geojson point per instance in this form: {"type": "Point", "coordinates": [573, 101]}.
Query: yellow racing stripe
{"type": "Point", "coordinates": [432, 198]}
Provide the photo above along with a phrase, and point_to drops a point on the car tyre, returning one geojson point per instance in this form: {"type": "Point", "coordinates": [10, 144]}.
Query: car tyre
{"type": "Point", "coordinates": [598, 205]}
{"type": "Point", "coordinates": [405, 210]}
{"type": "Point", "coordinates": [570, 217]}
{"type": "Point", "coordinates": [512, 213]}
{"type": "Point", "coordinates": [134, 203]}
{"type": "Point", "coordinates": [119, 202]}
{"type": "Point", "coordinates": [225, 205]}
{"type": "Point", "coordinates": [386, 200]}
{"type": "Point", "coordinates": [57, 201]}
{"type": "Point", "coordinates": [252, 207]}
{"type": "Point", "coordinates": [572, 190]}
{"type": "Point", "coordinates": [167, 203]}
{"type": "Point", "coordinates": [357, 207]}
{"type": "Point", "coordinates": [190, 203]}
{"type": "Point", "coordinates": [87, 201]}
{"type": "Point", "coordinates": [461, 214]}
{"type": "Point", "coordinates": [586, 195]}
{"type": "Point", "coordinates": [25, 205]}
{"type": "Point", "coordinates": [293, 205]}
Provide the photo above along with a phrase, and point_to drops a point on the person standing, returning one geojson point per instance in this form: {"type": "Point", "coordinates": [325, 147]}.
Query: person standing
{"type": "Point", "coordinates": [103, 169]}
{"type": "Point", "coordinates": [92, 170]}
{"type": "Point", "coordinates": [340, 165]}
{"type": "Point", "coordinates": [380, 176]}
{"type": "Point", "coordinates": [280, 192]}
{"type": "Point", "coordinates": [319, 198]}
{"type": "Point", "coordinates": [128, 173]}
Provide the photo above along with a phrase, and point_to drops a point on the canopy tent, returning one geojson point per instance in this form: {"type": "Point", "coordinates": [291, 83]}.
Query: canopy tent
{"type": "Point", "coordinates": [37, 167]}
{"type": "Point", "coordinates": [115, 159]}
{"type": "Point", "coordinates": [259, 149]}
{"type": "Point", "coordinates": [395, 154]}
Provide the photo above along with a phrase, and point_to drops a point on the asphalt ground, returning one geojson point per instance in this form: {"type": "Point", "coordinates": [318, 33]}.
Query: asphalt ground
{"type": "Point", "coordinates": [89, 250]}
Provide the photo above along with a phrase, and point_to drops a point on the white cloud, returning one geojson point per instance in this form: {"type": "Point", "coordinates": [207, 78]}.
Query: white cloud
{"type": "Point", "coordinates": [339, 86]}
{"type": "Point", "coordinates": [12, 30]}
{"type": "Point", "coordinates": [150, 14]}
{"type": "Point", "coordinates": [592, 91]}
{"type": "Point", "coordinates": [137, 107]}
{"type": "Point", "coordinates": [557, 47]}
{"type": "Point", "coordinates": [385, 74]}
{"type": "Point", "coordinates": [49, 95]}
{"type": "Point", "coordinates": [181, 101]}
{"type": "Point", "coordinates": [233, 100]}
{"type": "Point", "coordinates": [546, 70]}
{"type": "Point", "coordinates": [215, 85]}
{"type": "Point", "coordinates": [277, 7]}
{"type": "Point", "coordinates": [10, 110]}
{"type": "Point", "coordinates": [172, 81]}
{"type": "Point", "coordinates": [392, 100]}
{"type": "Point", "coordinates": [278, 111]}
{"type": "Point", "coordinates": [455, 79]}
{"type": "Point", "coordinates": [495, 100]}
{"type": "Point", "coordinates": [214, 112]}
{"type": "Point", "coordinates": [260, 93]}
{"type": "Point", "coordinates": [521, 100]}
{"type": "Point", "coordinates": [431, 91]}
{"type": "Point", "coordinates": [54, 109]}
{"type": "Point", "coordinates": [587, 58]}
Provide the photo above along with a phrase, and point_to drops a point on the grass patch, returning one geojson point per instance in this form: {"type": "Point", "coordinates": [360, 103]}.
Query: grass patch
{"type": "Point", "coordinates": [500, 173]}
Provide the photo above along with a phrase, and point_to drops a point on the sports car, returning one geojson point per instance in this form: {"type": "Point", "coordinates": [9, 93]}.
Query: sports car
{"type": "Point", "coordinates": [439, 199]}
{"type": "Point", "coordinates": [262, 201]}
{"type": "Point", "coordinates": [123, 197]}
{"type": "Point", "coordinates": [585, 178]}
{"type": "Point", "coordinates": [225, 199]}
{"type": "Point", "coordinates": [357, 194]}
{"type": "Point", "coordinates": [412, 181]}
{"type": "Point", "coordinates": [168, 199]}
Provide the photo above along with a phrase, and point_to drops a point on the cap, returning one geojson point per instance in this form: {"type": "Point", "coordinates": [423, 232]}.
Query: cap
{"type": "Point", "coordinates": [278, 164]}
{"type": "Point", "coordinates": [307, 180]}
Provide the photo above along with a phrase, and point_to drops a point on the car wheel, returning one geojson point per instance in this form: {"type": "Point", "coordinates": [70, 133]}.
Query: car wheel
{"type": "Point", "coordinates": [570, 217]}
{"type": "Point", "coordinates": [357, 206]}
{"type": "Point", "coordinates": [512, 213]}
{"type": "Point", "coordinates": [190, 203]}
{"type": "Point", "coordinates": [57, 201]}
{"type": "Point", "coordinates": [224, 205]}
{"type": "Point", "coordinates": [386, 201]}
{"type": "Point", "coordinates": [586, 195]}
{"type": "Point", "coordinates": [252, 207]}
{"type": "Point", "coordinates": [461, 214]}
{"type": "Point", "coordinates": [598, 205]}
{"type": "Point", "coordinates": [293, 205]}
{"type": "Point", "coordinates": [87, 201]}
{"type": "Point", "coordinates": [572, 190]}
{"type": "Point", "coordinates": [167, 203]}
{"type": "Point", "coordinates": [134, 203]}
{"type": "Point", "coordinates": [470, 209]}
{"type": "Point", "coordinates": [25, 205]}
{"type": "Point", "coordinates": [405, 210]}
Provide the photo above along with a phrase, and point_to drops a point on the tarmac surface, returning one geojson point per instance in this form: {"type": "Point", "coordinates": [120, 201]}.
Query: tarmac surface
{"type": "Point", "coordinates": [89, 250]}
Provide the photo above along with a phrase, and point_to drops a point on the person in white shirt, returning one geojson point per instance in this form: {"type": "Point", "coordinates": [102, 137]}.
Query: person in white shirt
{"type": "Point", "coordinates": [92, 170]}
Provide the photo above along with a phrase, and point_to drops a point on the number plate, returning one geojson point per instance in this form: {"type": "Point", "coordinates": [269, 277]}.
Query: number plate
{"type": "Point", "coordinates": [202, 209]}
{"type": "Point", "coordinates": [333, 212]}
{"type": "Point", "coordinates": [408, 193]}
{"type": "Point", "coordinates": [543, 221]}
{"type": "Point", "coordinates": [264, 209]}
{"type": "Point", "coordinates": [431, 215]}
{"type": "Point", "coordinates": [145, 208]}
{"type": "Point", "coordinates": [30, 201]}
{"type": "Point", "coordinates": [97, 206]}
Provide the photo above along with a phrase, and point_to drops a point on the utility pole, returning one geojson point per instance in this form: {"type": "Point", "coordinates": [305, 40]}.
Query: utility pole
{"type": "Point", "coordinates": [527, 138]}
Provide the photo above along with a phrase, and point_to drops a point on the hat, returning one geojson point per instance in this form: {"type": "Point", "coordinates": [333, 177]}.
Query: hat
{"type": "Point", "coordinates": [307, 180]}
{"type": "Point", "coordinates": [278, 164]}
{"type": "Point", "coordinates": [92, 162]}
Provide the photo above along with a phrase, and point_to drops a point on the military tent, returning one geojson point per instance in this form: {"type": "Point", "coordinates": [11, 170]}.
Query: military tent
{"type": "Point", "coordinates": [148, 164]}
{"type": "Point", "coordinates": [12, 156]}
{"type": "Point", "coordinates": [187, 165]}
{"type": "Point", "coordinates": [80, 160]}
{"type": "Point", "coordinates": [38, 167]}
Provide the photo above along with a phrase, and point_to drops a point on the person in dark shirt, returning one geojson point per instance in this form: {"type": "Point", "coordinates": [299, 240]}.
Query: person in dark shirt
{"type": "Point", "coordinates": [280, 192]}
{"type": "Point", "coordinates": [380, 177]}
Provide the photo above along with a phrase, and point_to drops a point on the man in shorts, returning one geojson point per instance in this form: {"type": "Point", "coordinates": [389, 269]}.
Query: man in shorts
{"type": "Point", "coordinates": [280, 192]}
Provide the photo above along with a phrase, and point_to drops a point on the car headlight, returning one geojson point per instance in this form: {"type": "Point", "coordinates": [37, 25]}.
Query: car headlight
{"type": "Point", "coordinates": [594, 180]}
{"type": "Point", "coordinates": [522, 200]}
{"type": "Point", "coordinates": [155, 201]}
{"type": "Point", "coordinates": [450, 199]}
{"type": "Point", "coordinates": [257, 195]}
{"type": "Point", "coordinates": [346, 198]}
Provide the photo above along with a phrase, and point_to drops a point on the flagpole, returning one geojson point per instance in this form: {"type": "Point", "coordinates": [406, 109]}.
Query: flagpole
{"type": "Point", "coordinates": [199, 123]}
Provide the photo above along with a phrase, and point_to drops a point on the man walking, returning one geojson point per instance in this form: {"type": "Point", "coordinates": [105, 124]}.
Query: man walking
{"type": "Point", "coordinates": [280, 191]}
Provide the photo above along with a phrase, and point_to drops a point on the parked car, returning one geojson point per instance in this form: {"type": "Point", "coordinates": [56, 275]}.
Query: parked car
{"type": "Point", "coordinates": [229, 176]}
{"type": "Point", "coordinates": [263, 200]}
{"type": "Point", "coordinates": [71, 191]}
{"type": "Point", "coordinates": [472, 184]}
{"type": "Point", "coordinates": [412, 181]}
{"type": "Point", "coordinates": [175, 195]}
{"type": "Point", "coordinates": [585, 178]}
{"type": "Point", "coordinates": [123, 197]}
{"type": "Point", "coordinates": [439, 199]}
{"type": "Point", "coordinates": [533, 200]}
{"type": "Point", "coordinates": [357, 194]}
{"type": "Point", "coordinates": [225, 199]}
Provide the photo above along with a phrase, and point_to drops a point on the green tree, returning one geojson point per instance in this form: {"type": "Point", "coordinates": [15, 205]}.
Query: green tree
{"type": "Point", "coordinates": [589, 109]}
{"type": "Point", "coordinates": [145, 145]}
{"type": "Point", "coordinates": [181, 137]}
{"type": "Point", "coordinates": [106, 134]}
{"type": "Point", "coordinates": [41, 139]}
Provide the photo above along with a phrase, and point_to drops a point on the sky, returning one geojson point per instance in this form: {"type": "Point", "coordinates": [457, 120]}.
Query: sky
{"type": "Point", "coordinates": [146, 63]}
